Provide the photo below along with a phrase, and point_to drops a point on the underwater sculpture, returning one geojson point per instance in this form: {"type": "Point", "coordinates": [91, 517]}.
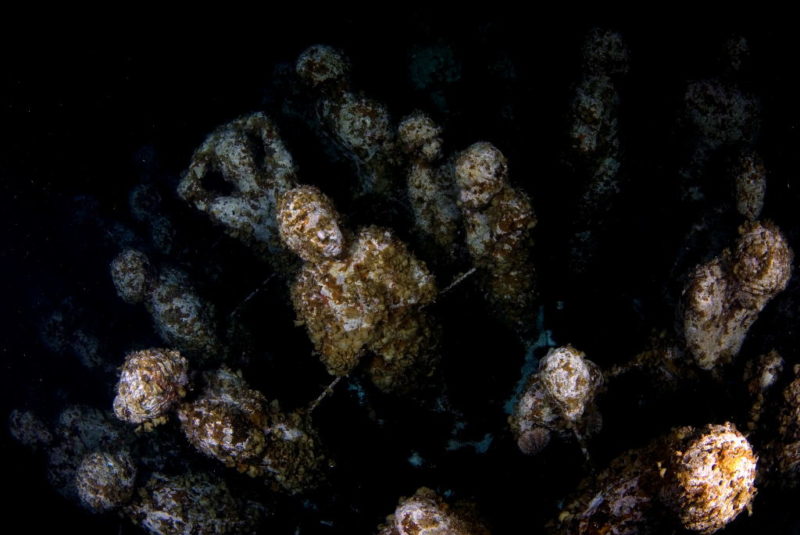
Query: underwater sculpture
{"type": "Point", "coordinates": [696, 478]}
{"type": "Point", "coordinates": [724, 296]}
{"type": "Point", "coordinates": [364, 304]}
{"type": "Point", "coordinates": [498, 219]}
{"type": "Point", "coordinates": [359, 293]}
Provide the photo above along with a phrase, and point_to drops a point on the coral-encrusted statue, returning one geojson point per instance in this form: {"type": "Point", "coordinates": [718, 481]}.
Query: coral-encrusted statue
{"type": "Point", "coordinates": [252, 159]}
{"type": "Point", "coordinates": [559, 398]}
{"type": "Point", "coordinates": [775, 418]}
{"type": "Point", "coordinates": [360, 126]}
{"type": "Point", "coordinates": [105, 480]}
{"type": "Point", "coordinates": [430, 182]}
{"type": "Point", "coordinates": [595, 137]}
{"type": "Point", "coordinates": [724, 296]}
{"type": "Point", "coordinates": [358, 294]}
{"type": "Point", "coordinates": [498, 220]}
{"type": "Point", "coordinates": [192, 502]}
{"type": "Point", "coordinates": [426, 513]}
{"type": "Point", "coordinates": [238, 426]}
{"type": "Point", "coordinates": [698, 478]}
{"type": "Point", "coordinates": [182, 318]}
{"type": "Point", "coordinates": [151, 382]}
{"type": "Point", "coordinates": [751, 184]}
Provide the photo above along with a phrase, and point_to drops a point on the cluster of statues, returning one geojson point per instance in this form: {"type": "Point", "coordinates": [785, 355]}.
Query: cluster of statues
{"type": "Point", "coordinates": [366, 300]}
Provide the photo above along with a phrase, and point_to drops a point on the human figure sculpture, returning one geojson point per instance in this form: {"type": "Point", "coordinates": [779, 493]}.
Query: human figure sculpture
{"type": "Point", "coordinates": [358, 294]}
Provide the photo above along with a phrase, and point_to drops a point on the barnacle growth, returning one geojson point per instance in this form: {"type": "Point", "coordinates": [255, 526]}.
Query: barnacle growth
{"type": "Point", "coordinates": [724, 296]}
{"type": "Point", "coordinates": [358, 293]}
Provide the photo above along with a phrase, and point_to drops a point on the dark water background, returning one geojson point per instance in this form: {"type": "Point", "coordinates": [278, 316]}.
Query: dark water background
{"type": "Point", "coordinates": [83, 122]}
